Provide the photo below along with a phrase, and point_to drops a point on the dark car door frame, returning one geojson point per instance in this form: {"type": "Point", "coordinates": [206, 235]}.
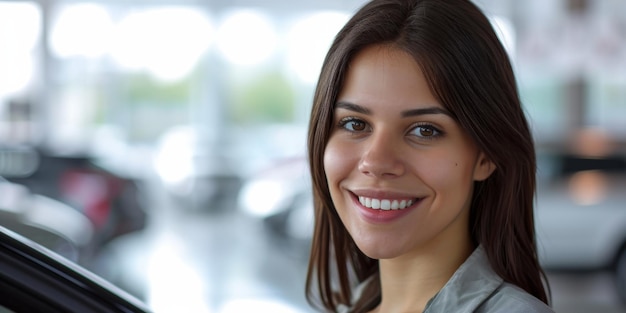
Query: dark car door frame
{"type": "Point", "coordinates": [34, 279]}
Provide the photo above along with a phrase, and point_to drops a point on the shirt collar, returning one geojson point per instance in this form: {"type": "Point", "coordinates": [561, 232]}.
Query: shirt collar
{"type": "Point", "coordinates": [472, 283]}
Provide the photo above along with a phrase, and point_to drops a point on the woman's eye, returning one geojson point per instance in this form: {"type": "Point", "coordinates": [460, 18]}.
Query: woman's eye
{"type": "Point", "coordinates": [353, 125]}
{"type": "Point", "coordinates": [356, 126]}
{"type": "Point", "coordinates": [426, 131]}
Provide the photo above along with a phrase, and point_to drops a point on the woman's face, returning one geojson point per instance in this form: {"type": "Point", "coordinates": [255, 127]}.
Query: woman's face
{"type": "Point", "coordinates": [399, 167]}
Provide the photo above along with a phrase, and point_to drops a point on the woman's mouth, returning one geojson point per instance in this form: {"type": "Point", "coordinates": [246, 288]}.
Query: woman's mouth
{"type": "Point", "coordinates": [384, 209]}
{"type": "Point", "coordinates": [386, 204]}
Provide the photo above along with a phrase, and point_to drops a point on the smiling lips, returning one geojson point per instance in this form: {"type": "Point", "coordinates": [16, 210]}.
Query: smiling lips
{"type": "Point", "coordinates": [384, 211]}
{"type": "Point", "coordinates": [384, 204]}
{"type": "Point", "coordinates": [381, 210]}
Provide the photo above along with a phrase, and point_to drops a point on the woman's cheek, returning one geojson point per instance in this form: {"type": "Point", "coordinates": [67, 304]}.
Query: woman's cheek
{"type": "Point", "coordinates": [445, 170]}
{"type": "Point", "coordinates": [336, 160]}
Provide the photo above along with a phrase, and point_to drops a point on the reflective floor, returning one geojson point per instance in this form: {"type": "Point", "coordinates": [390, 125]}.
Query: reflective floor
{"type": "Point", "coordinates": [212, 260]}
{"type": "Point", "coordinates": [222, 261]}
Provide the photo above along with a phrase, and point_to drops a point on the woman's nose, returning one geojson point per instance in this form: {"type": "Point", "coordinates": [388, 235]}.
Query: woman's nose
{"type": "Point", "coordinates": [381, 158]}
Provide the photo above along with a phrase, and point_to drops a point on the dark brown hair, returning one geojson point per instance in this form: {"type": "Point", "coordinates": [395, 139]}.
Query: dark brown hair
{"type": "Point", "coordinates": [469, 71]}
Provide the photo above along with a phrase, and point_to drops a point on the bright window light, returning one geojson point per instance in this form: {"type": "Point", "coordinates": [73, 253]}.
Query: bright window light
{"type": "Point", "coordinates": [246, 37]}
{"type": "Point", "coordinates": [82, 30]}
{"type": "Point", "coordinates": [20, 26]}
{"type": "Point", "coordinates": [20, 29]}
{"type": "Point", "coordinates": [264, 198]}
{"type": "Point", "coordinates": [506, 33]}
{"type": "Point", "coordinates": [309, 40]}
{"type": "Point", "coordinates": [174, 158]}
{"type": "Point", "coordinates": [168, 42]}
{"type": "Point", "coordinates": [175, 285]}
{"type": "Point", "coordinates": [16, 73]}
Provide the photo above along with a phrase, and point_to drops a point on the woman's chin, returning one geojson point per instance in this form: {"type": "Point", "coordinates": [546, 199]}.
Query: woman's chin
{"type": "Point", "coordinates": [379, 251]}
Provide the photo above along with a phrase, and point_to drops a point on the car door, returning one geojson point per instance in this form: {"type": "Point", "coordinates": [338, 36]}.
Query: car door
{"type": "Point", "coordinates": [34, 279]}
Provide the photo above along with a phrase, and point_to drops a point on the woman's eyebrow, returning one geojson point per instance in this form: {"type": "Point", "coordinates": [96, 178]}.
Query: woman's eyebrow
{"type": "Point", "coordinates": [409, 113]}
{"type": "Point", "coordinates": [425, 111]}
{"type": "Point", "coordinates": [353, 107]}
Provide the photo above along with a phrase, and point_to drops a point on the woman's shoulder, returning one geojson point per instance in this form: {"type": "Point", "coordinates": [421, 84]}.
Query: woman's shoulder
{"type": "Point", "coordinates": [512, 299]}
{"type": "Point", "coordinates": [476, 287]}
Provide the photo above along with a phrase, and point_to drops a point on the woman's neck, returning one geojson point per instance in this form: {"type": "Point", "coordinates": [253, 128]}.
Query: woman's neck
{"type": "Point", "coordinates": [410, 281]}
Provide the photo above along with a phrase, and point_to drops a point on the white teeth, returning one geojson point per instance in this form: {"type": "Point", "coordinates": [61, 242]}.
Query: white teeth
{"type": "Point", "coordinates": [395, 205]}
{"type": "Point", "coordinates": [385, 204]}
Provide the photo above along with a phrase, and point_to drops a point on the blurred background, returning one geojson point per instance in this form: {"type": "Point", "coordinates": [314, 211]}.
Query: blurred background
{"type": "Point", "coordinates": [161, 144]}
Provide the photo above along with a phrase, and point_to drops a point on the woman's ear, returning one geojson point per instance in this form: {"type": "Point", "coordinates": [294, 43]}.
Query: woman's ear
{"type": "Point", "coordinates": [484, 167]}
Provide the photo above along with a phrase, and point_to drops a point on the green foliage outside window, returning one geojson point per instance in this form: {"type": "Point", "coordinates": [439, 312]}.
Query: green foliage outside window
{"type": "Point", "coordinates": [142, 88]}
{"type": "Point", "coordinates": [268, 98]}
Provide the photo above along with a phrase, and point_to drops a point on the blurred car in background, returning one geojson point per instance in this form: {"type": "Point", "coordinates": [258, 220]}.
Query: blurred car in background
{"type": "Point", "coordinates": [580, 210]}
{"type": "Point", "coordinates": [202, 170]}
{"type": "Point", "coordinates": [35, 279]}
{"type": "Point", "coordinates": [194, 175]}
{"type": "Point", "coordinates": [50, 223]}
{"type": "Point", "coordinates": [280, 195]}
{"type": "Point", "coordinates": [114, 205]}
{"type": "Point", "coordinates": [581, 215]}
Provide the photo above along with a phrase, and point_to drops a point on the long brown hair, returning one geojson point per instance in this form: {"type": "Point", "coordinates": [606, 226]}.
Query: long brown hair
{"type": "Point", "coordinates": [469, 71]}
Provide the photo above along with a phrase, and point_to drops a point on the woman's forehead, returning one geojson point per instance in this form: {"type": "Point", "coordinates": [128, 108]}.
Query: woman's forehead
{"type": "Point", "coordinates": [383, 74]}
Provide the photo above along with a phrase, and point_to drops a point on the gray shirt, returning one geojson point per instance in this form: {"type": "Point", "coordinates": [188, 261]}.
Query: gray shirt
{"type": "Point", "coordinates": [475, 287]}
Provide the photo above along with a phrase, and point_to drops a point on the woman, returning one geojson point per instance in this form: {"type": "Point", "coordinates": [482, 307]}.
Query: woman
{"type": "Point", "coordinates": [423, 167]}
